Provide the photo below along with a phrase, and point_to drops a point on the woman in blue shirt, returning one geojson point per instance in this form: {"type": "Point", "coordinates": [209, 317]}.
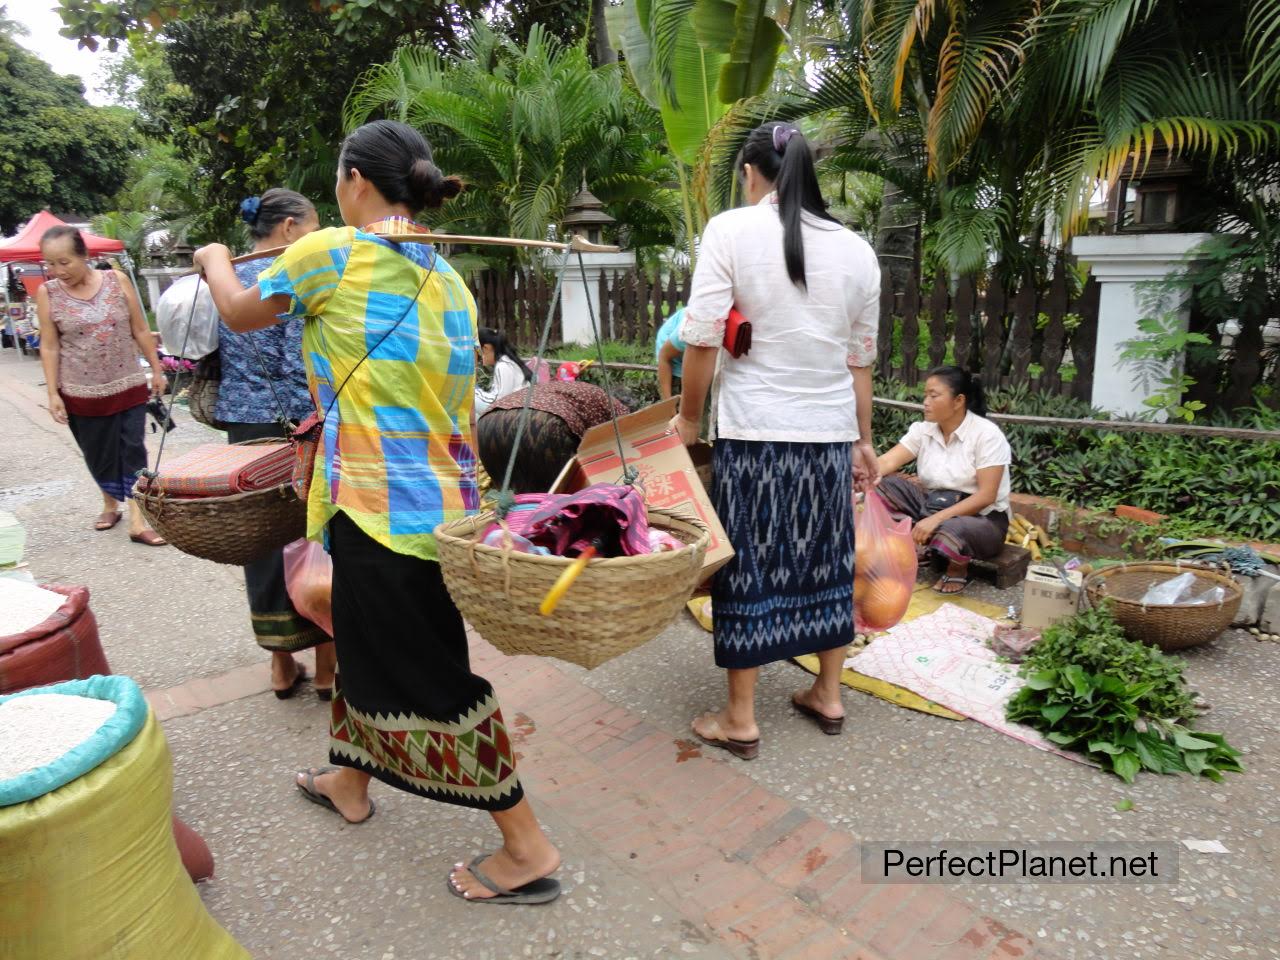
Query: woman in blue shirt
{"type": "Point", "coordinates": [263, 383]}
{"type": "Point", "coordinates": [669, 352]}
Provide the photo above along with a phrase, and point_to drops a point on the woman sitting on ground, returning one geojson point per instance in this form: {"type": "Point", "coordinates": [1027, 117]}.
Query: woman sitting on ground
{"type": "Point", "coordinates": [960, 504]}
{"type": "Point", "coordinates": [510, 373]}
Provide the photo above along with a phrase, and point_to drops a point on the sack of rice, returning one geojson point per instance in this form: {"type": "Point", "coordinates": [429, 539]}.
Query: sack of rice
{"type": "Point", "coordinates": [88, 863]}
{"type": "Point", "coordinates": [60, 645]}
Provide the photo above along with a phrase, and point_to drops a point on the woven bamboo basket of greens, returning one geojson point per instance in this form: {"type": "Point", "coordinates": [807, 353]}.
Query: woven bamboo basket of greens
{"type": "Point", "coordinates": [236, 529]}
{"type": "Point", "coordinates": [614, 606]}
{"type": "Point", "coordinates": [1169, 626]}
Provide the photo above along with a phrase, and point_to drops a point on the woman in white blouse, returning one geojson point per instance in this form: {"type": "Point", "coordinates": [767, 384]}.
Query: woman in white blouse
{"type": "Point", "coordinates": [960, 506]}
{"type": "Point", "coordinates": [510, 373]}
{"type": "Point", "coordinates": [792, 423]}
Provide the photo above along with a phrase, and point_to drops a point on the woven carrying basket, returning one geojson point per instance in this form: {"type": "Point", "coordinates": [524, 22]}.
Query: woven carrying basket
{"type": "Point", "coordinates": [1172, 626]}
{"type": "Point", "coordinates": [202, 395]}
{"type": "Point", "coordinates": [238, 529]}
{"type": "Point", "coordinates": [614, 606]}
{"type": "Point", "coordinates": [202, 399]}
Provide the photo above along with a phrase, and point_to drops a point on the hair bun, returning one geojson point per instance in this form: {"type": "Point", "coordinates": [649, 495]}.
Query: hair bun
{"type": "Point", "coordinates": [450, 187]}
{"type": "Point", "coordinates": [430, 186]}
{"type": "Point", "coordinates": [249, 208]}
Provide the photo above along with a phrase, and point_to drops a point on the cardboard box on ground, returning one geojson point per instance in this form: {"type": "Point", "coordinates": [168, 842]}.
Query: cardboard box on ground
{"type": "Point", "coordinates": [1046, 599]}
{"type": "Point", "coordinates": [666, 472]}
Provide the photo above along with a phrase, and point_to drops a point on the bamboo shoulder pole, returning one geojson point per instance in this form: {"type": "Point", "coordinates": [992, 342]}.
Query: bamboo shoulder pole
{"type": "Point", "coordinates": [576, 244]}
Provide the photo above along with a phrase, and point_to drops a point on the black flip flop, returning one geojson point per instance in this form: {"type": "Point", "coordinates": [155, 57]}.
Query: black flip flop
{"type": "Point", "coordinates": [315, 796]}
{"type": "Point", "coordinates": [298, 679]}
{"type": "Point", "coordinates": [963, 581]}
{"type": "Point", "coordinates": [831, 726]}
{"type": "Point", "coordinates": [536, 892]}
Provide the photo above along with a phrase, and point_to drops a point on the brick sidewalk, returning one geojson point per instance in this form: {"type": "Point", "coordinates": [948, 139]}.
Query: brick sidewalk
{"type": "Point", "coordinates": [747, 867]}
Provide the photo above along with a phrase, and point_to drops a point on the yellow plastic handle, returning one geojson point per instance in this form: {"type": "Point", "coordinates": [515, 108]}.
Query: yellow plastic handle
{"type": "Point", "coordinates": [564, 582]}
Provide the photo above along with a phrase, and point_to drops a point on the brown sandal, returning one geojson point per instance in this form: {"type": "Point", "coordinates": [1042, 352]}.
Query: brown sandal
{"type": "Point", "coordinates": [107, 519]}
{"type": "Point", "coordinates": [742, 749]}
{"type": "Point", "coordinates": [831, 726]}
{"type": "Point", "coordinates": [149, 538]}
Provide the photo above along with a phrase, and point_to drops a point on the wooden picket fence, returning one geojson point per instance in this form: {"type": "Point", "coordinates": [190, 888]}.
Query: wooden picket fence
{"type": "Point", "coordinates": [633, 306]}
{"type": "Point", "coordinates": [976, 322]}
{"type": "Point", "coordinates": [1015, 339]}
{"type": "Point", "coordinates": [515, 303]}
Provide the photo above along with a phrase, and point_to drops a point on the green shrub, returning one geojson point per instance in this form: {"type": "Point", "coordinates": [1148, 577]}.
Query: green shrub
{"type": "Point", "coordinates": [1214, 486]}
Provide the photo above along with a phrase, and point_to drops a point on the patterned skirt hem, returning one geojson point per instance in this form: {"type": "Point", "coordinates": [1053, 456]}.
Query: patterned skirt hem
{"type": "Point", "coordinates": [340, 756]}
{"type": "Point", "coordinates": [469, 762]}
{"type": "Point", "coordinates": [286, 633]}
{"type": "Point", "coordinates": [729, 659]}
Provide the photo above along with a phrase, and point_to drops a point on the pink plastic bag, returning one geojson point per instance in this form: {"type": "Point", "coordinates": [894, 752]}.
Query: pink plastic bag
{"type": "Point", "coordinates": [308, 579]}
{"type": "Point", "coordinates": [884, 572]}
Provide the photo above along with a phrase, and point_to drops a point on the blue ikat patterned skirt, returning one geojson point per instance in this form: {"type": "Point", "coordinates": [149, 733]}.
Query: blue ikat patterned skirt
{"type": "Point", "coordinates": [788, 511]}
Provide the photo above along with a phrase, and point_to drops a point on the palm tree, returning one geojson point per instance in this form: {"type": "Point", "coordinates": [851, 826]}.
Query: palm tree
{"type": "Point", "coordinates": [996, 120]}
{"type": "Point", "coordinates": [524, 124]}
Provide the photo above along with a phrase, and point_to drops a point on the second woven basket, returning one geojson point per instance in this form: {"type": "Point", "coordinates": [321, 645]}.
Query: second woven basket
{"type": "Point", "coordinates": [614, 606]}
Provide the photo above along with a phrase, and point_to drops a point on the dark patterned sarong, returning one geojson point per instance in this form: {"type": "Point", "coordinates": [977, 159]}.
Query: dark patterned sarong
{"type": "Point", "coordinates": [113, 448]}
{"type": "Point", "coordinates": [277, 625]}
{"type": "Point", "coordinates": [788, 511]}
{"type": "Point", "coordinates": [406, 708]}
{"type": "Point", "coordinates": [560, 413]}
{"type": "Point", "coordinates": [959, 539]}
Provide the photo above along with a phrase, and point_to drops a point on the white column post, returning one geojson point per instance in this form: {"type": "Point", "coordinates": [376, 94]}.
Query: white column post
{"type": "Point", "coordinates": [574, 300]}
{"type": "Point", "coordinates": [1132, 270]}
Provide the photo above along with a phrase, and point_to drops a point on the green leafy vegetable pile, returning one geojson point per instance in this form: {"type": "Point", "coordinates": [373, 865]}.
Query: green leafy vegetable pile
{"type": "Point", "coordinates": [1123, 704]}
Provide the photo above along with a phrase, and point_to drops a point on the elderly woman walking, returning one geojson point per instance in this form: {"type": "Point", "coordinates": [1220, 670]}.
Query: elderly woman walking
{"type": "Point", "coordinates": [792, 423]}
{"type": "Point", "coordinates": [92, 332]}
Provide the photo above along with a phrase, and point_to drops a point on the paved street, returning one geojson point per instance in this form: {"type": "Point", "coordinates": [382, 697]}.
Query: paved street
{"type": "Point", "coordinates": [668, 852]}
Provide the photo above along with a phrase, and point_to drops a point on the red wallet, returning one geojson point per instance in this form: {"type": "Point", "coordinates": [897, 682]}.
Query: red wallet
{"type": "Point", "coordinates": [737, 334]}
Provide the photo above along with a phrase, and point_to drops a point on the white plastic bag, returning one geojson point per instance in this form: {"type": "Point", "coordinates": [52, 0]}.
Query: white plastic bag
{"type": "Point", "coordinates": [174, 313]}
{"type": "Point", "coordinates": [1214, 595]}
{"type": "Point", "coordinates": [1169, 591]}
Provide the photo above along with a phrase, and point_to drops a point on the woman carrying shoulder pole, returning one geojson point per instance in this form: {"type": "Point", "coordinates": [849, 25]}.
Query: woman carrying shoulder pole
{"type": "Point", "coordinates": [389, 344]}
{"type": "Point", "coordinates": [264, 384]}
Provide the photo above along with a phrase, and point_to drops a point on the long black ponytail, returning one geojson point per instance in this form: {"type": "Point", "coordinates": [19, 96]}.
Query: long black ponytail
{"type": "Point", "coordinates": [963, 383]}
{"type": "Point", "coordinates": [782, 156]}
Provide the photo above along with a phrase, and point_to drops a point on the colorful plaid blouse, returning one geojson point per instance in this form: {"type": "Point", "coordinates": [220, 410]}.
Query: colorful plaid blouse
{"type": "Point", "coordinates": [396, 455]}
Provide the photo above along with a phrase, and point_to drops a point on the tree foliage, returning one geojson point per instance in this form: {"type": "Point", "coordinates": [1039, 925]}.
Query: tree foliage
{"type": "Point", "coordinates": [56, 150]}
{"type": "Point", "coordinates": [1000, 118]}
{"type": "Point", "coordinates": [523, 123]}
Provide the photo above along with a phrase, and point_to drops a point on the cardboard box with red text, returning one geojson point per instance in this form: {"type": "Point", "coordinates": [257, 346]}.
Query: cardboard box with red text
{"type": "Point", "coordinates": [666, 472]}
{"type": "Point", "coordinates": [1046, 599]}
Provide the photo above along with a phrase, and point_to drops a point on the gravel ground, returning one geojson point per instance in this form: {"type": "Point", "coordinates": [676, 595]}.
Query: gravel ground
{"type": "Point", "coordinates": [894, 775]}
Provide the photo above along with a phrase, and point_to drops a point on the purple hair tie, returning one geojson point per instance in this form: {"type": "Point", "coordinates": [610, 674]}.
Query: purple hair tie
{"type": "Point", "coordinates": [781, 134]}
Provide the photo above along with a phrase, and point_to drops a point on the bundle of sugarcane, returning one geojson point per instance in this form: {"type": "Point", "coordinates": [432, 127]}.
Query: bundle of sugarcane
{"type": "Point", "coordinates": [1023, 533]}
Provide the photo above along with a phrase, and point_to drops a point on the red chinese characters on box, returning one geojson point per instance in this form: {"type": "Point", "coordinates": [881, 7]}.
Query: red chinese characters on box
{"type": "Point", "coordinates": [665, 471]}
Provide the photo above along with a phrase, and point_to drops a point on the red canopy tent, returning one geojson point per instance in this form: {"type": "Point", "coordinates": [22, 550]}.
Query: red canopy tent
{"type": "Point", "coordinates": [25, 246]}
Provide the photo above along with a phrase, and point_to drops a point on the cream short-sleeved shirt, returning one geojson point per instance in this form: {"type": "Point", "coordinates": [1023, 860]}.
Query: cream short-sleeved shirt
{"type": "Point", "coordinates": [794, 385]}
{"type": "Point", "coordinates": [976, 443]}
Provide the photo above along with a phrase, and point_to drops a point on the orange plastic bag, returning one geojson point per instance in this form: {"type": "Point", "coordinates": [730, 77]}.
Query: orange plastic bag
{"type": "Point", "coordinates": [884, 571]}
{"type": "Point", "coordinates": [308, 578]}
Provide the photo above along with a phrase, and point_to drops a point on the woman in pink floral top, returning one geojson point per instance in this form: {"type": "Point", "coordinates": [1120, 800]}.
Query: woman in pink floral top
{"type": "Point", "coordinates": [91, 332]}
